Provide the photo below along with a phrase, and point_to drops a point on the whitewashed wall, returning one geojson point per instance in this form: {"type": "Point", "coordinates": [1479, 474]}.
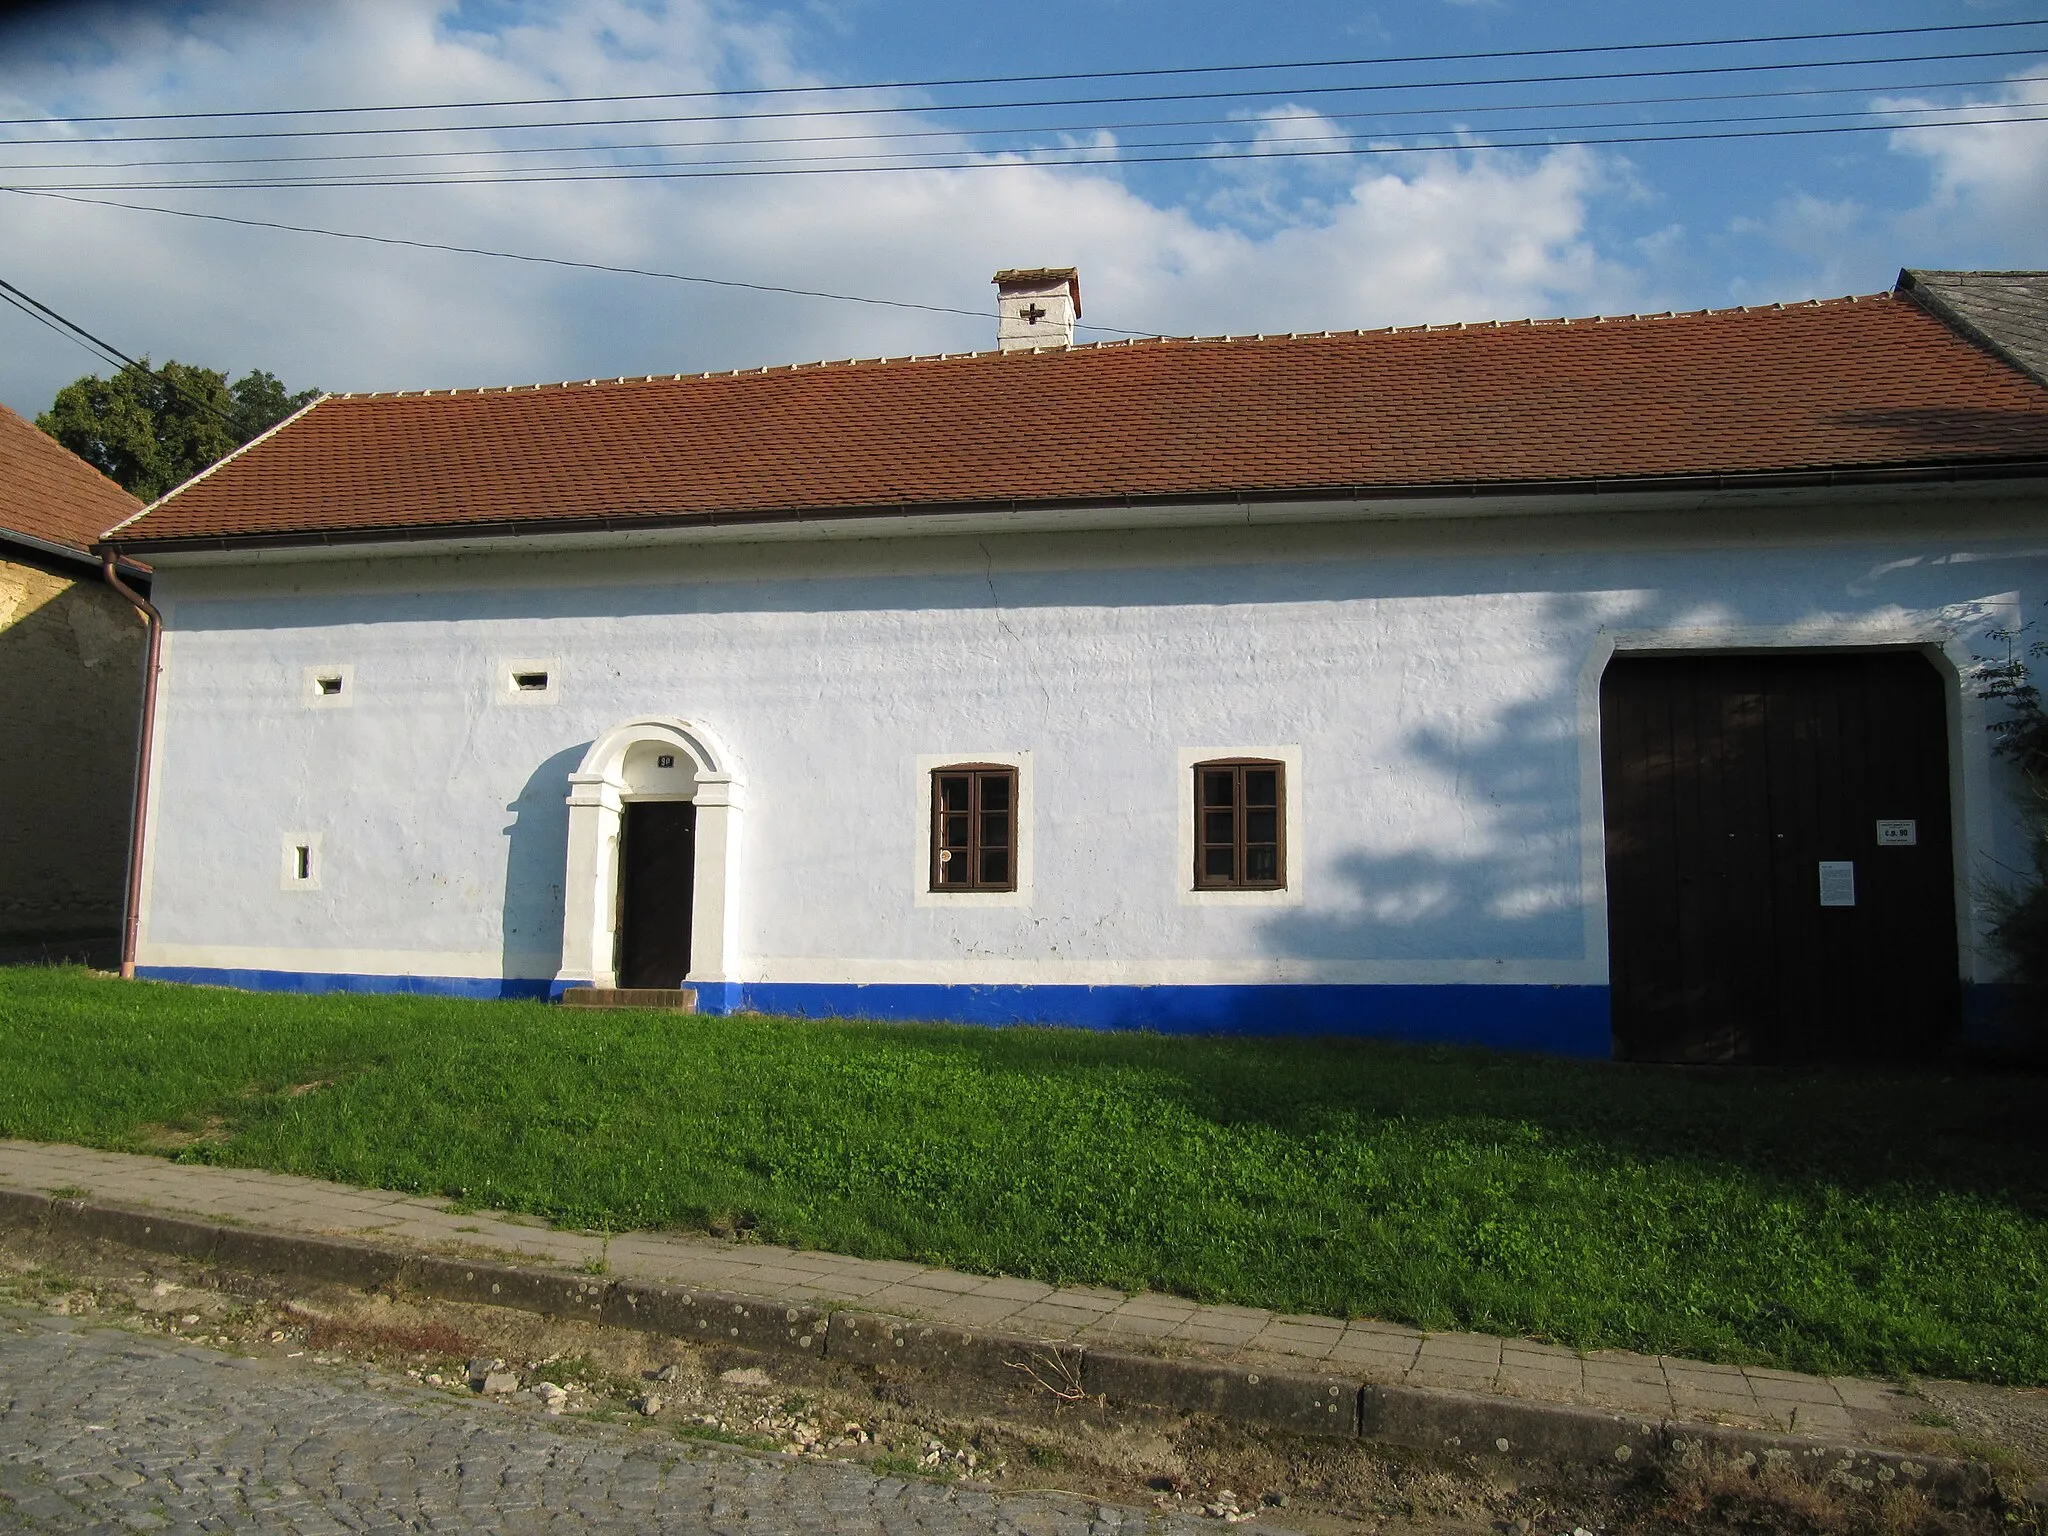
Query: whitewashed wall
{"type": "Point", "coordinates": [1437, 679]}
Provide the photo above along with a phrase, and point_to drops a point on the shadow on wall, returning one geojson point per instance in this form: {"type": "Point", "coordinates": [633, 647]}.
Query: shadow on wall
{"type": "Point", "coordinates": [536, 869]}
{"type": "Point", "coordinates": [70, 696]}
{"type": "Point", "coordinates": [1504, 885]}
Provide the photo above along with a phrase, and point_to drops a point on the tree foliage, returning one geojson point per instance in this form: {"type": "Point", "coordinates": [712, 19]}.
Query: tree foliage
{"type": "Point", "coordinates": [2021, 914]}
{"type": "Point", "coordinates": [149, 429]}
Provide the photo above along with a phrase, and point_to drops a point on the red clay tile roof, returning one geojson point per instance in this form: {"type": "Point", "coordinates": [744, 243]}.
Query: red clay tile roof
{"type": "Point", "coordinates": [1816, 387]}
{"type": "Point", "coordinates": [49, 493]}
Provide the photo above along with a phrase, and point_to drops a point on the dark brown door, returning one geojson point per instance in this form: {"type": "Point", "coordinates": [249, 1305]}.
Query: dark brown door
{"type": "Point", "coordinates": [657, 866]}
{"type": "Point", "coordinates": [1780, 885]}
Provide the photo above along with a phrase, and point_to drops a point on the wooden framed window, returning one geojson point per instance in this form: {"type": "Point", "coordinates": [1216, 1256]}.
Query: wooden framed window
{"type": "Point", "coordinates": [1240, 825]}
{"type": "Point", "coordinates": [974, 827]}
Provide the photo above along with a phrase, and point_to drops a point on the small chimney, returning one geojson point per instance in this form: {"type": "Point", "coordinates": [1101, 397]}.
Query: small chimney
{"type": "Point", "coordinates": [1037, 307]}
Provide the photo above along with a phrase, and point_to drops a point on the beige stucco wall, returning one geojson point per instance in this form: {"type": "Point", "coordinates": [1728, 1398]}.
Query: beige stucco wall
{"type": "Point", "coordinates": [70, 689]}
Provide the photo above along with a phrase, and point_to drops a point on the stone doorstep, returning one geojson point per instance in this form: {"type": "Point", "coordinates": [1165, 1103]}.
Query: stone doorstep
{"type": "Point", "coordinates": [664, 999]}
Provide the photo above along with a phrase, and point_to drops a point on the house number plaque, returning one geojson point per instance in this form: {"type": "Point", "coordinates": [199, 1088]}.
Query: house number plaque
{"type": "Point", "coordinates": [1898, 834]}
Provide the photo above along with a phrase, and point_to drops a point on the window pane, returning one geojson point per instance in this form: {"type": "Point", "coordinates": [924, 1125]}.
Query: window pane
{"type": "Point", "coordinates": [995, 829]}
{"type": "Point", "coordinates": [1216, 863]}
{"type": "Point", "coordinates": [1261, 786]}
{"type": "Point", "coordinates": [953, 792]}
{"type": "Point", "coordinates": [995, 791]}
{"type": "Point", "coordinates": [995, 866]}
{"type": "Point", "coordinates": [1262, 826]}
{"type": "Point", "coordinates": [955, 830]}
{"type": "Point", "coordinates": [953, 868]}
{"type": "Point", "coordinates": [1217, 788]}
{"type": "Point", "coordinates": [1261, 865]}
{"type": "Point", "coordinates": [1218, 827]}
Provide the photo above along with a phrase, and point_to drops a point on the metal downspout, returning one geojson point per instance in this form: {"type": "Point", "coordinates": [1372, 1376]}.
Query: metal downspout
{"type": "Point", "coordinates": [131, 916]}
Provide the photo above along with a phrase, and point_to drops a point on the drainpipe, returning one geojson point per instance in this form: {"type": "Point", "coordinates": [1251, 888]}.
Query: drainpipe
{"type": "Point", "coordinates": [131, 918]}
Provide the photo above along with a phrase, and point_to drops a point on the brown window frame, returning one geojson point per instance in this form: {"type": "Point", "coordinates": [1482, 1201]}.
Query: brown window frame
{"type": "Point", "coordinates": [1238, 844]}
{"type": "Point", "coordinates": [976, 774]}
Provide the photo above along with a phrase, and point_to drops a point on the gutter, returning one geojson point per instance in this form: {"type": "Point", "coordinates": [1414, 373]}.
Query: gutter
{"type": "Point", "coordinates": [71, 553]}
{"type": "Point", "coordinates": [131, 914]}
{"type": "Point", "coordinates": [1948, 473]}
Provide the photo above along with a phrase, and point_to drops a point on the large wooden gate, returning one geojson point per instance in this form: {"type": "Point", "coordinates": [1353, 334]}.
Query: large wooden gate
{"type": "Point", "coordinates": [1780, 881]}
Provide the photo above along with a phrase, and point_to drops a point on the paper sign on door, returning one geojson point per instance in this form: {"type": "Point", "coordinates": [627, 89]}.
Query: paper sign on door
{"type": "Point", "coordinates": [1837, 883]}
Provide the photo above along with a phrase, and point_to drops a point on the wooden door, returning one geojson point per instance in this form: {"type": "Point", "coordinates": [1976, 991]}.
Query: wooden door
{"type": "Point", "coordinates": [657, 868]}
{"type": "Point", "coordinates": [1780, 882]}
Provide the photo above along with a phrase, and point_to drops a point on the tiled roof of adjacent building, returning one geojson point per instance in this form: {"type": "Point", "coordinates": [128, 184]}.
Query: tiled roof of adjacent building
{"type": "Point", "coordinates": [49, 493]}
{"type": "Point", "coordinates": [2005, 312]}
{"type": "Point", "coordinates": [1825, 387]}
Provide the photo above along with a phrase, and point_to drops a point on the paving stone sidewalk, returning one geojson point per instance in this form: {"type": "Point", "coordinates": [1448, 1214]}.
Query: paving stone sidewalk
{"type": "Point", "coordinates": [1378, 1352]}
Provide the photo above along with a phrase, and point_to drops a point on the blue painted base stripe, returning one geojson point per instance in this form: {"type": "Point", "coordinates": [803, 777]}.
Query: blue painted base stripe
{"type": "Point", "coordinates": [485, 987]}
{"type": "Point", "coordinates": [1560, 1020]}
{"type": "Point", "coordinates": [1569, 1021]}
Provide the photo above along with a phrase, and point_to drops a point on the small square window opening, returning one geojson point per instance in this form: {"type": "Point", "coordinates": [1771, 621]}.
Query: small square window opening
{"type": "Point", "coordinates": [1240, 821]}
{"type": "Point", "coordinates": [302, 862]}
{"type": "Point", "coordinates": [974, 828]}
{"type": "Point", "coordinates": [530, 682]}
{"type": "Point", "coordinates": [329, 686]}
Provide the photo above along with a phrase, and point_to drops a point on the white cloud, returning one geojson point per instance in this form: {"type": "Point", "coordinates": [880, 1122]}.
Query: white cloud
{"type": "Point", "coordinates": [1990, 178]}
{"type": "Point", "coordinates": [1967, 196]}
{"type": "Point", "coordinates": [1409, 239]}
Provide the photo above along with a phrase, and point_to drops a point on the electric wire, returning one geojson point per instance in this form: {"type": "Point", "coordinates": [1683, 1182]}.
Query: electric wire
{"type": "Point", "coordinates": [1104, 74]}
{"type": "Point", "coordinates": [386, 130]}
{"type": "Point", "coordinates": [1105, 156]}
{"type": "Point", "coordinates": [106, 351]}
{"type": "Point", "coordinates": [954, 133]}
{"type": "Point", "coordinates": [1110, 154]}
{"type": "Point", "coordinates": [546, 261]}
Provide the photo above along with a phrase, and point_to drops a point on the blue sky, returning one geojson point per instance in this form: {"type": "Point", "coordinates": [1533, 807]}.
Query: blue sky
{"type": "Point", "coordinates": [1260, 242]}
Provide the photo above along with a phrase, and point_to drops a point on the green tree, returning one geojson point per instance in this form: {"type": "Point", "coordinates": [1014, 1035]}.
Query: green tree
{"type": "Point", "coordinates": [2020, 914]}
{"type": "Point", "coordinates": [149, 429]}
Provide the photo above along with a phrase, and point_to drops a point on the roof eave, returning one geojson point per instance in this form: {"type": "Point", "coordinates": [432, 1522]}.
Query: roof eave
{"type": "Point", "coordinates": [73, 554]}
{"type": "Point", "coordinates": [1951, 472]}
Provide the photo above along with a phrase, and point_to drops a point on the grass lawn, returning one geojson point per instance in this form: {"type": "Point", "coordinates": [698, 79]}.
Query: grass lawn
{"type": "Point", "coordinates": [1837, 1221]}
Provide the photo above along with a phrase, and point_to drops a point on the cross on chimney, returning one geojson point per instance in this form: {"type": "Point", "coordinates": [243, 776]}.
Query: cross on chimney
{"type": "Point", "coordinates": [1033, 313]}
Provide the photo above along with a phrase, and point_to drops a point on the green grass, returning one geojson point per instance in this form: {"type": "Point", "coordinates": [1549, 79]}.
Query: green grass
{"type": "Point", "coordinates": [1823, 1221]}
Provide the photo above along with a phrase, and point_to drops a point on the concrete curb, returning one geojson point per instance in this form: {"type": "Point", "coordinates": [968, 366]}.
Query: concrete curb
{"type": "Point", "coordinates": [1464, 1425]}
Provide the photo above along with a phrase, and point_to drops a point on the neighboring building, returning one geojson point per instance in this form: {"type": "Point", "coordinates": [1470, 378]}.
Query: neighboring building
{"type": "Point", "coordinates": [70, 691]}
{"type": "Point", "coordinates": [1578, 685]}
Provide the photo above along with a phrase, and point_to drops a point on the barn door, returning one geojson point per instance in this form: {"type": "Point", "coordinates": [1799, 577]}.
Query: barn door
{"type": "Point", "coordinates": [657, 868]}
{"type": "Point", "coordinates": [1779, 878]}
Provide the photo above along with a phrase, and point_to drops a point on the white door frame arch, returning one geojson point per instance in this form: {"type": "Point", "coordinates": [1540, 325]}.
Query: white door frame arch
{"type": "Point", "coordinates": [598, 792]}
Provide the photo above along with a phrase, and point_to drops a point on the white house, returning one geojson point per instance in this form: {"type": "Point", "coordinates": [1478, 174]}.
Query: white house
{"type": "Point", "coordinates": [1590, 686]}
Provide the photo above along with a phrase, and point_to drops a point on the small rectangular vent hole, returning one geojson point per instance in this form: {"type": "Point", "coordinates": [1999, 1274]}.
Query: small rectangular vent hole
{"type": "Point", "coordinates": [530, 682]}
{"type": "Point", "coordinates": [302, 862]}
{"type": "Point", "coordinates": [328, 686]}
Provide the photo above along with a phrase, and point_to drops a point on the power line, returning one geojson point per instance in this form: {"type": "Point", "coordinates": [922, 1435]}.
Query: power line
{"type": "Point", "coordinates": [106, 351]}
{"type": "Point", "coordinates": [58, 323]}
{"type": "Point", "coordinates": [1009, 106]}
{"type": "Point", "coordinates": [1108, 156]}
{"type": "Point", "coordinates": [952, 133]}
{"type": "Point", "coordinates": [53, 325]}
{"type": "Point", "coordinates": [1105, 74]}
{"type": "Point", "coordinates": [546, 261]}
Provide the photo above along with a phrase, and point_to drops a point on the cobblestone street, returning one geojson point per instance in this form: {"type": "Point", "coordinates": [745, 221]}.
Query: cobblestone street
{"type": "Point", "coordinates": [102, 1429]}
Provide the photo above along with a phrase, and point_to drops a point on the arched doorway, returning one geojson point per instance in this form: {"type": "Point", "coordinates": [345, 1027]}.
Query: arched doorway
{"type": "Point", "coordinates": [653, 833]}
